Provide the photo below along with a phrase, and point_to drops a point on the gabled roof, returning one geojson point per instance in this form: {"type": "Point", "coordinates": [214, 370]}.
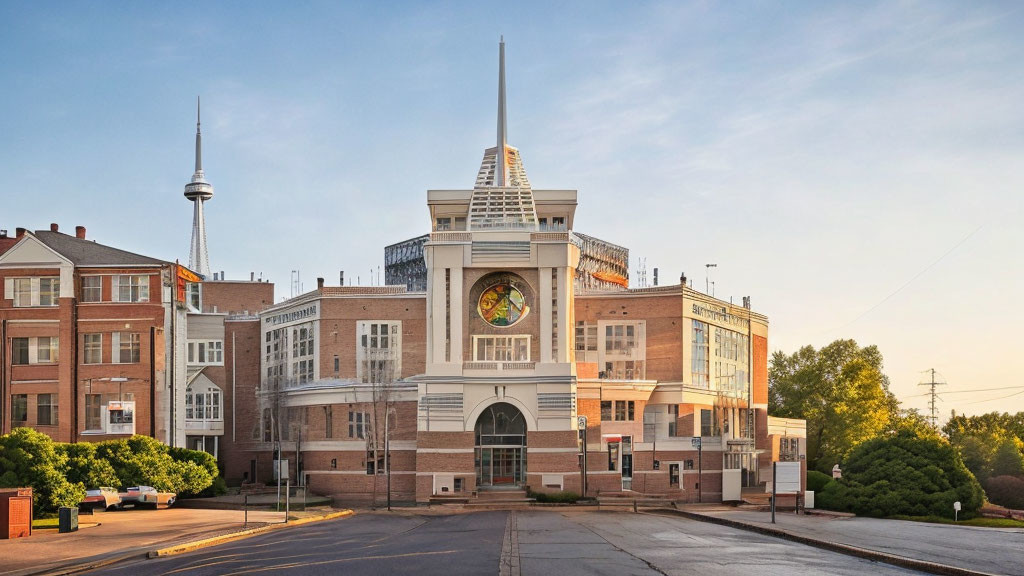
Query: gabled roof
{"type": "Point", "coordinates": [83, 252]}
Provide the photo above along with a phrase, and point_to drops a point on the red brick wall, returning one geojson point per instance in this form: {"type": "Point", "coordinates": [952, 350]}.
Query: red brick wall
{"type": "Point", "coordinates": [663, 317]}
{"type": "Point", "coordinates": [237, 297]}
{"type": "Point", "coordinates": [760, 370]}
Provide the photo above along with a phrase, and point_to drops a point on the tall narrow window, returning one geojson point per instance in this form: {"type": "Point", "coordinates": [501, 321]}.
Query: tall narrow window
{"type": "Point", "coordinates": [92, 348]}
{"type": "Point", "coordinates": [554, 315]}
{"type": "Point", "coordinates": [22, 292]}
{"type": "Point", "coordinates": [328, 422]}
{"type": "Point", "coordinates": [92, 288]}
{"type": "Point", "coordinates": [93, 411]}
{"type": "Point", "coordinates": [19, 409]}
{"type": "Point", "coordinates": [129, 348]}
{"type": "Point", "coordinates": [699, 361]}
{"type": "Point", "coordinates": [19, 350]}
{"type": "Point", "coordinates": [46, 350]}
{"type": "Point", "coordinates": [46, 409]}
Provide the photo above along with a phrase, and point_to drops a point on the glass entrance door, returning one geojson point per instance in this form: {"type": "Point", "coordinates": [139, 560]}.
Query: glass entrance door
{"type": "Point", "coordinates": [499, 466]}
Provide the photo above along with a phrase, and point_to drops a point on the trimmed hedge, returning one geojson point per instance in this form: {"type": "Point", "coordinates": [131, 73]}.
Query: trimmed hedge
{"type": "Point", "coordinates": [1007, 491]}
{"type": "Point", "coordinates": [903, 474]}
{"type": "Point", "coordinates": [565, 497]}
{"type": "Point", "coordinates": [816, 481]}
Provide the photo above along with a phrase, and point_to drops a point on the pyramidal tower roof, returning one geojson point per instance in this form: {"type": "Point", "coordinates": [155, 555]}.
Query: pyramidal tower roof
{"type": "Point", "coordinates": [502, 197]}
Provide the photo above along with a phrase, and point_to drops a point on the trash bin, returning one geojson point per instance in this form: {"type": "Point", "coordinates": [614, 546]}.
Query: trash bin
{"type": "Point", "coordinates": [67, 520]}
{"type": "Point", "coordinates": [15, 512]}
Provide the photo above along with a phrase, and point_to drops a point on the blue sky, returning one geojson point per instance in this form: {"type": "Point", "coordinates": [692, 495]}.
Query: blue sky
{"type": "Point", "coordinates": [855, 168]}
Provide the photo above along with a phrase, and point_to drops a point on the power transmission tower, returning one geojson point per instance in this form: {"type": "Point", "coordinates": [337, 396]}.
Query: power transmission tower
{"type": "Point", "coordinates": [934, 396]}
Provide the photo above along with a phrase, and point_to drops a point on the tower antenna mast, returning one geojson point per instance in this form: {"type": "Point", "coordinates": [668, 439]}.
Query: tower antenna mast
{"type": "Point", "coordinates": [933, 417]}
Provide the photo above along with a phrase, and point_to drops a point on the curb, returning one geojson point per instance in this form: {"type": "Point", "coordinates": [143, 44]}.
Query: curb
{"type": "Point", "coordinates": [216, 540]}
{"type": "Point", "coordinates": [901, 561]}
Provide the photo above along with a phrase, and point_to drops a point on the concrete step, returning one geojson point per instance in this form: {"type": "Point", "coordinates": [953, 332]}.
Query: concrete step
{"type": "Point", "coordinates": [491, 495]}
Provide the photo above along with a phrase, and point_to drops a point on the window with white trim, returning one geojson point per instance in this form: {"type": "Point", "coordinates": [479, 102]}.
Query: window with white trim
{"type": "Point", "coordinates": [46, 409]}
{"type": "Point", "coordinates": [203, 404]}
{"type": "Point", "coordinates": [208, 352]}
{"type": "Point", "coordinates": [358, 424]}
{"type": "Point", "coordinates": [27, 292]}
{"type": "Point", "coordinates": [126, 347]}
{"type": "Point", "coordinates": [130, 288]}
{"type": "Point", "coordinates": [36, 350]}
{"type": "Point", "coordinates": [378, 350]}
{"type": "Point", "coordinates": [92, 288]}
{"type": "Point", "coordinates": [513, 348]}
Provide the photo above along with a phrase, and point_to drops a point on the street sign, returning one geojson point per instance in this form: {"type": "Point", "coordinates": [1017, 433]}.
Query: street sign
{"type": "Point", "coordinates": [695, 442]}
{"type": "Point", "coordinates": [581, 422]}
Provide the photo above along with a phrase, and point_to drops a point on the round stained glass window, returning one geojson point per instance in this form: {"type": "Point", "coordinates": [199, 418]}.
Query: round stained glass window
{"type": "Point", "coordinates": [502, 305]}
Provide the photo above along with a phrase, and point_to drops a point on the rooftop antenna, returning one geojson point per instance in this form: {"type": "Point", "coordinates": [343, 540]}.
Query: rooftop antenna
{"type": "Point", "coordinates": [707, 275]}
{"type": "Point", "coordinates": [499, 164]}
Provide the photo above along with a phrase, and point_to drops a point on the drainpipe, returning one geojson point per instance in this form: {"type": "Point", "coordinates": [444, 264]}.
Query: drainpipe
{"type": "Point", "coordinates": [3, 376]}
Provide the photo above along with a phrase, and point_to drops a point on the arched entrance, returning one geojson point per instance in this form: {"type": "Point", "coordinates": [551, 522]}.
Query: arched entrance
{"type": "Point", "coordinates": [500, 433]}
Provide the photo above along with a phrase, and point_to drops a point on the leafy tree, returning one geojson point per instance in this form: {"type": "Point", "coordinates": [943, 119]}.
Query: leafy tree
{"type": "Point", "coordinates": [839, 390]}
{"type": "Point", "coordinates": [1007, 460]}
{"type": "Point", "coordinates": [30, 458]}
{"type": "Point", "coordinates": [902, 473]}
{"type": "Point", "coordinates": [145, 461]}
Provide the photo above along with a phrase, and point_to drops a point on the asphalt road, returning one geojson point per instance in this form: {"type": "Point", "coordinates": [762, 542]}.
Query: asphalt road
{"type": "Point", "coordinates": [565, 543]}
{"type": "Point", "coordinates": [361, 544]}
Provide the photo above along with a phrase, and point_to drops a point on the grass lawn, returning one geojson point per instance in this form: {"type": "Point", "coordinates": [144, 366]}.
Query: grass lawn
{"type": "Point", "coordinates": [983, 522]}
{"type": "Point", "coordinates": [44, 523]}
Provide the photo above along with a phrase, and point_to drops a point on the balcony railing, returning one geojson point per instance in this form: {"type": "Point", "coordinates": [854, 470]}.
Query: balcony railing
{"type": "Point", "coordinates": [499, 365]}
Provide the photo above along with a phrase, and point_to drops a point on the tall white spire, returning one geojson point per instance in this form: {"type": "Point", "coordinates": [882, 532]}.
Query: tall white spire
{"type": "Point", "coordinates": [500, 170]}
{"type": "Point", "coordinates": [198, 191]}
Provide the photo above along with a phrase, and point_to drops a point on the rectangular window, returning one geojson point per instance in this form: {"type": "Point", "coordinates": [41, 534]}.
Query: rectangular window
{"type": "Point", "coordinates": [699, 361]}
{"type": "Point", "coordinates": [22, 292]}
{"type": "Point", "coordinates": [92, 288]}
{"type": "Point", "coordinates": [673, 475]}
{"type": "Point", "coordinates": [19, 350]}
{"type": "Point", "coordinates": [49, 291]}
{"type": "Point", "coordinates": [379, 351]}
{"type": "Point", "coordinates": [93, 411]}
{"type": "Point", "coordinates": [673, 418]}
{"type": "Point", "coordinates": [442, 224]}
{"type": "Point", "coordinates": [606, 410]}
{"type": "Point", "coordinates": [46, 409]}
{"type": "Point", "coordinates": [132, 288]}
{"type": "Point", "coordinates": [358, 422]}
{"type": "Point", "coordinates": [337, 365]}
{"type": "Point", "coordinates": [328, 422]}
{"type": "Point", "coordinates": [613, 456]}
{"type": "Point", "coordinates": [92, 345]}
{"type": "Point", "coordinates": [501, 348]}
{"type": "Point", "coordinates": [705, 423]}
{"type": "Point", "coordinates": [19, 409]}
{"type": "Point", "coordinates": [46, 350]}
{"type": "Point", "coordinates": [624, 410]}
{"type": "Point", "coordinates": [129, 348]}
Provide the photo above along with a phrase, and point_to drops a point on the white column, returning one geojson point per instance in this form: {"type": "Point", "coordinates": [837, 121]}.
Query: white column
{"type": "Point", "coordinates": [544, 297]}
{"type": "Point", "coordinates": [563, 316]}
{"type": "Point", "coordinates": [456, 311]}
{"type": "Point", "coordinates": [437, 315]}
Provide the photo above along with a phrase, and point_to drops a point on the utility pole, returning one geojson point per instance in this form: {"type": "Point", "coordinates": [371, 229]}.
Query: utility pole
{"type": "Point", "coordinates": [934, 396]}
{"type": "Point", "coordinates": [707, 275]}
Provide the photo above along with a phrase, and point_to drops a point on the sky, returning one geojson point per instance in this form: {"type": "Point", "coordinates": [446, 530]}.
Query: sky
{"type": "Point", "coordinates": [856, 169]}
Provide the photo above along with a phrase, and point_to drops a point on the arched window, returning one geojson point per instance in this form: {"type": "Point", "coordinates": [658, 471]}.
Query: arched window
{"type": "Point", "coordinates": [501, 423]}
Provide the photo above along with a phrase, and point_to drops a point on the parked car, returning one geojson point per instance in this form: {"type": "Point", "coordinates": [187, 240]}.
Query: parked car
{"type": "Point", "coordinates": [102, 498]}
{"type": "Point", "coordinates": [147, 496]}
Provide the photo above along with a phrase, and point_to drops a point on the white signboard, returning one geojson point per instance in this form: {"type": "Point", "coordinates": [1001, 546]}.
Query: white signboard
{"type": "Point", "coordinates": [120, 417]}
{"type": "Point", "coordinates": [787, 477]}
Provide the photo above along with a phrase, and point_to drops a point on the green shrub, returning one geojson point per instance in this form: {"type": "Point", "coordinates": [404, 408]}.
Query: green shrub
{"type": "Point", "coordinates": [817, 480]}
{"type": "Point", "coordinates": [903, 474]}
{"type": "Point", "coordinates": [85, 467]}
{"type": "Point", "coordinates": [564, 497]}
{"type": "Point", "coordinates": [1006, 491]}
{"type": "Point", "coordinates": [30, 458]}
{"type": "Point", "coordinates": [145, 461]}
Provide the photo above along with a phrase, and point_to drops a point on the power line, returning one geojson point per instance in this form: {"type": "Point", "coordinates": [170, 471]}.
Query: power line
{"type": "Point", "coordinates": [994, 399]}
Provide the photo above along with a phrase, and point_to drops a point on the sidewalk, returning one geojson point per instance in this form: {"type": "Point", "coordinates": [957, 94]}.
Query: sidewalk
{"type": "Point", "coordinates": [966, 548]}
{"type": "Point", "coordinates": [124, 534]}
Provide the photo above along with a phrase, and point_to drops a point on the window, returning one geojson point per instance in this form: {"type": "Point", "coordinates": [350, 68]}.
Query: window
{"type": "Point", "coordinates": [302, 342]}
{"type": "Point", "coordinates": [49, 291]}
{"type": "Point", "coordinates": [673, 418]}
{"type": "Point", "coordinates": [46, 350]}
{"type": "Point", "coordinates": [501, 348]}
{"type": "Point", "coordinates": [337, 365]}
{"type": "Point", "coordinates": [19, 350]}
{"type": "Point", "coordinates": [92, 345]}
{"type": "Point", "coordinates": [129, 347]}
{"type": "Point", "coordinates": [328, 422]}
{"type": "Point", "coordinates": [206, 352]}
{"type": "Point", "coordinates": [93, 412]}
{"type": "Point", "coordinates": [699, 361]}
{"type": "Point", "coordinates": [688, 465]}
{"type": "Point", "coordinates": [731, 361]}
{"type": "Point", "coordinates": [624, 410]}
{"type": "Point", "coordinates": [358, 423]}
{"type": "Point", "coordinates": [193, 296]}
{"type": "Point", "coordinates": [705, 423]}
{"type": "Point", "coordinates": [19, 409]}
{"type": "Point", "coordinates": [22, 292]}
{"type": "Point", "coordinates": [613, 456]}
{"type": "Point", "coordinates": [442, 224]}
{"type": "Point", "coordinates": [673, 475]}
{"type": "Point", "coordinates": [41, 350]}
{"type": "Point", "coordinates": [606, 410]}
{"type": "Point", "coordinates": [130, 288]}
{"type": "Point", "coordinates": [203, 404]}
{"type": "Point", "coordinates": [92, 288]}
{"type": "Point", "coordinates": [558, 222]}
{"type": "Point", "coordinates": [46, 410]}
{"type": "Point", "coordinates": [378, 351]}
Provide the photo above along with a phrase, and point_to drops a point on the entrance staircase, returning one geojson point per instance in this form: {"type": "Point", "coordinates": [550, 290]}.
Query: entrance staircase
{"type": "Point", "coordinates": [487, 499]}
{"type": "Point", "coordinates": [634, 500]}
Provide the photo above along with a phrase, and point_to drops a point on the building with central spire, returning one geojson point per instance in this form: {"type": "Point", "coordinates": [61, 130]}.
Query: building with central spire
{"type": "Point", "coordinates": [198, 191]}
